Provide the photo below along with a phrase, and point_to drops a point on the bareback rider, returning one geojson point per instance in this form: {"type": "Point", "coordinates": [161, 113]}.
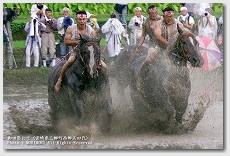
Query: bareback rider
{"type": "Point", "coordinates": [72, 38]}
{"type": "Point", "coordinates": [149, 25]}
{"type": "Point", "coordinates": [164, 32]}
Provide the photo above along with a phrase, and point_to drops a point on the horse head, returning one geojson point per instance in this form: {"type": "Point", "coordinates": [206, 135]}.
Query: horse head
{"type": "Point", "coordinates": [187, 48]}
{"type": "Point", "coordinates": [89, 53]}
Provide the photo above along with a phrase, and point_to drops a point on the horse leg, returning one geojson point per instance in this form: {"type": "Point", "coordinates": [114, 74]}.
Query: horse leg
{"type": "Point", "coordinates": [181, 110]}
{"type": "Point", "coordinates": [105, 106]}
{"type": "Point", "coordinates": [172, 125]}
{"type": "Point", "coordinates": [53, 106]}
{"type": "Point", "coordinates": [77, 106]}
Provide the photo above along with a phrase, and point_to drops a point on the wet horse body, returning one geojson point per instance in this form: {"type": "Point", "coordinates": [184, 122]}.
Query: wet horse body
{"type": "Point", "coordinates": [163, 97]}
{"type": "Point", "coordinates": [85, 93]}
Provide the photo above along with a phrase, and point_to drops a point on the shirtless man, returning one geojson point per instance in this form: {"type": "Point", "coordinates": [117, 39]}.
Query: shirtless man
{"type": "Point", "coordinates": [72, 38]}
{"type": "Point", "coordinates": [164, 32]}
{"type": "Point", "coordinates": [149, 25]}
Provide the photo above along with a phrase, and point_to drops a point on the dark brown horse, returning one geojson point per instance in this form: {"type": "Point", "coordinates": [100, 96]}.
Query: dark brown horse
{"type": "Point", "coordinates": [85, 93]}
{"type": "Point", "coordinates": [163, 97]}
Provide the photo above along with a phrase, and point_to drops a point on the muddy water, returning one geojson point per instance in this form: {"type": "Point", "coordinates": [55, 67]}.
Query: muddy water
{"type": "Point", "coordinates": [126, 133]}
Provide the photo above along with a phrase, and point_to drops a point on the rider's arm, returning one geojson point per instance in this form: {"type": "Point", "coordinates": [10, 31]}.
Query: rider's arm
{"type": "Point", "coordinates": [143, 35]}
{"type": "Point", "coordinates": [158, 34]}
{"type": "Point", "coordinates": [68, 40]}
{"type": "Point", "coordinates": [141, 41]}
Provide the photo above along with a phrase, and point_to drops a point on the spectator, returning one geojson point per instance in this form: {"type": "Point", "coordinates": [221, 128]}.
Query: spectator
{"type": "Point", "coordinates": [33, 40]}
{"type": "Point", "coordinates": [135, 25]}
{"type": "Point", "coordinates": [47, 36]}
{"type": "Point", "coordinates": [8, 16]}
{"type": "Point", "coordinates": [113, 30]}
{"type": "Point", "coordinates": [92, 21]}
{"type": "Point", "coordinates": [62, 24]}
{"type": "Point", "coordinates": [121, 10]}
{"type": "Point", "coordinates": [200, 8]}
{"type": "Point", "coordinates": [186, 19]}
{"type": "Point", "coordinates": [39, 10]}
{"type": "Point", "coordinates": [207, 25]}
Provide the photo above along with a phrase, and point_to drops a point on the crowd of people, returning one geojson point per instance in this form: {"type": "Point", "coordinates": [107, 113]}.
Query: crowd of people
{"type": "Point", "coordinates": [155, 31]}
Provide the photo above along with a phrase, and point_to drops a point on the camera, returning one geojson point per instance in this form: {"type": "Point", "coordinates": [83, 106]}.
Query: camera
{"type": "Point", "coordinates": [136, 23]}
{"type": "Point", "coordinates": [206, 14]}
{"type": "Point", "coordinates": [49, 21]}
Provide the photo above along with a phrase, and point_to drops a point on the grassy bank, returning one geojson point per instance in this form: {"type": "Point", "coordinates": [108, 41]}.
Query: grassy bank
{"type": "Point", "coordinates": [26, 76]}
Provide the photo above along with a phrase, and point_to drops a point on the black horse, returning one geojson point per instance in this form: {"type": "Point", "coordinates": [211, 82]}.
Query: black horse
{"type": "Point", "coordinates": [85, 92]}
{"type": "Point", "coordinates": [163, 97]}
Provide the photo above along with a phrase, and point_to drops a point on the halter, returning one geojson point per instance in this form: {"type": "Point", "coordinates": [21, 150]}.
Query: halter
{"type": "Point", "coordinates": [182, 57]}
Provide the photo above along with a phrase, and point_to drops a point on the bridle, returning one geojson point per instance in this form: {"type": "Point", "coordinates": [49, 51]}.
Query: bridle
{"type": "Point", "coordinates": [180, 56]}
{"type": "Point", "coordinates": [83, 48]}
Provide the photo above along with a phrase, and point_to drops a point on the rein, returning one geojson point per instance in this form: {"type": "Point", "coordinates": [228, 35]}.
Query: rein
{"type": "Point", "coordinates": [177, 53]}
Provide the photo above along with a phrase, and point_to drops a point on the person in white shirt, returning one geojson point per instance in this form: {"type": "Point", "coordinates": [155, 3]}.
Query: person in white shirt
{"type": "Point", "coordinates": [135, 25]}
{"type": "Point", "coordinates": [200, 8]}
{"type": "Point", "coordinates": [92, 21]}
{"type": "Point", "coordinates": [38, 9]}
{"type": "Point", "coordinates": [113, 30]}
{"type": "Point", "coordinates": [62, 24]}
{"type": "Point", "coordinates": [207, 25]}
{"type": "Point", "coordinates": [186, 19]}
{"type": "Point", "coordinates": [33, 40]}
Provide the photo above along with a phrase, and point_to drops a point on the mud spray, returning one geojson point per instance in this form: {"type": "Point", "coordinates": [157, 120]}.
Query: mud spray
{"type": "Point", "coordinates": [26, 115]}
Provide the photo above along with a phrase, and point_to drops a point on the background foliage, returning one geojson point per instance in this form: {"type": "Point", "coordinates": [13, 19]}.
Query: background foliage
{"type": "Point", "coordinates": [100, 8]}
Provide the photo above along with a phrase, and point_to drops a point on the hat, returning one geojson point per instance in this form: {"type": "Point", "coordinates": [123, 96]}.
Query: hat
{"type": "Point", "coordinates": [183, 8]}
{"type": "Point", "coordinates": [89, 14]}
{"type": "Point", "coordinates": [138, 8]}
{"type": "Point", "coordinates": [65, 9]}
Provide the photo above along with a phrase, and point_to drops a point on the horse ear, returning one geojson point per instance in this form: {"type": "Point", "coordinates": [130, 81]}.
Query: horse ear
{"type": "Point", "coordinates": [179, 29]}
